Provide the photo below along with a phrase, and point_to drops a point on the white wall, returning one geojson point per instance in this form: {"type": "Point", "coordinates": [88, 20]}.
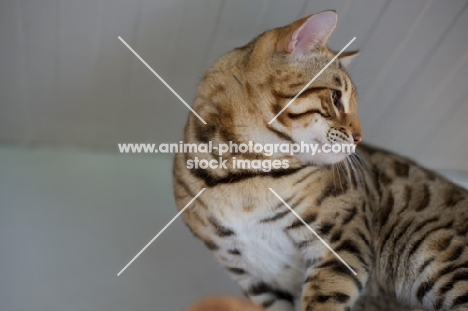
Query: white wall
{"type": "Point", "coordinates": [65, 78]}
{"type": "Point", "coordinates": [71, 220]}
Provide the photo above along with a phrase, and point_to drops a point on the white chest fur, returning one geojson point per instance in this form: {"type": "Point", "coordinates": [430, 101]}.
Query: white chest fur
{"type": "Point", "coordinates": [268, 252]}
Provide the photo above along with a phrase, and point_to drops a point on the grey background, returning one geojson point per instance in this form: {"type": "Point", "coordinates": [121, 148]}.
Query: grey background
{"type": "Point", "coordinates": [73, 211]}
{"type": "Point", "coordinates": [66, 79]}
{"type": "Point", "coordinates": [71, 220]}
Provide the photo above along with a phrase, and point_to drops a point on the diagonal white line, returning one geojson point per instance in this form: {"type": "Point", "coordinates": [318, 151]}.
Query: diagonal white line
{"type": "Point", "coordinates": [162, 80]}
{"type": "Point", "coordinates": [313, 79]}
{"type": "Point", "coordinates": [313, 231]}
{"type": "Point", "coordinates": [162, 230]}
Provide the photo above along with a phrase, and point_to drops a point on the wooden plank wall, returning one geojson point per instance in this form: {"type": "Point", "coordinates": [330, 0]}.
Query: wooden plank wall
{"type": "Point", "coordinates": [66, 79]}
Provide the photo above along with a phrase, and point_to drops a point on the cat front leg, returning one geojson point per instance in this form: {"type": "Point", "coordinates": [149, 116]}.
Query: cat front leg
{"type": "Point", "coordinates": [331, 286]}
{"type": "Point", "coordinates": [269, 296]}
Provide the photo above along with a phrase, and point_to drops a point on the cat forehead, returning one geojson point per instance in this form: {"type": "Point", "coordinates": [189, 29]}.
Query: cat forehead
{"type": "Point", "coordinates": [312, 65]}
{"type": "Point", "coordinates": [333, 75]}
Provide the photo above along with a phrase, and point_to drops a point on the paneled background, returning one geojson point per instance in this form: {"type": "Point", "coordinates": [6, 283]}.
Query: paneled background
{"type": "Point", "coordinates": [66, 79]}
{"type": "Point", "coordinates": [71, 219]}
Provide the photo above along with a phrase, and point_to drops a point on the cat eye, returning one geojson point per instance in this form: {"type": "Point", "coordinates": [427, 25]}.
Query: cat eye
{"type": "Point", "coordinates": [336, 97]}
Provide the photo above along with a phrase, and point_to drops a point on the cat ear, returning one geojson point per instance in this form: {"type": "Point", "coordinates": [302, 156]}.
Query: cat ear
{"type": "Point", "coordinates": [308, 33]}
{"type": "Point", "coordinates": [347, 57]}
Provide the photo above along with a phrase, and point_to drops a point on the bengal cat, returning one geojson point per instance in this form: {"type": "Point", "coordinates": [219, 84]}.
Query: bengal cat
{"type": "Point", "coordinates": [401, 228]}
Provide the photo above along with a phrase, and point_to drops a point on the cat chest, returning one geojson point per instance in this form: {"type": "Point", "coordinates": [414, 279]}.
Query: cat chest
{"type": "Point", "coordinates": [269, 251]}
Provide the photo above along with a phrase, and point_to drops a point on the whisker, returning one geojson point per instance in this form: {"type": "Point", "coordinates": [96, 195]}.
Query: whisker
{"type": "Point", "coordinates": [363, 161]}
{"type": "Point", "coordinates": [362, 169]}
{"type": "Point", "coordinates": [351, 172]}
{"type": "Point", "coordinates": [347, 169]}
{"type": "Point", "coordinates": [358, 172]}
{"type": "Point", "coordinates": [339, 177]}
{"type": "Point", "coordinates": [333, 171]}
{"type": "Point", "coordinates": [363, 164]}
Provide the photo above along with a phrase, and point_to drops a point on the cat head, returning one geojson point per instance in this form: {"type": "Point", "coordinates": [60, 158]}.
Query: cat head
{"type": "Point", "coordinates": [246, 88]}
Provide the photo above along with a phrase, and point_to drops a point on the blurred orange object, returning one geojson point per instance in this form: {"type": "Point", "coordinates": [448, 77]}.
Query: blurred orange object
{"type": "Point", "coordinates": [223, 303]}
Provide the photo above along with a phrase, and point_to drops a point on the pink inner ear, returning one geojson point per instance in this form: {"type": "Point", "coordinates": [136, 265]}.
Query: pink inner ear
{"type": "Point", "coordinates": [314, 32]}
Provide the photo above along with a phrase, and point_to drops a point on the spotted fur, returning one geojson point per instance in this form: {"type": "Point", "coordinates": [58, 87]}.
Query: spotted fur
{"type": "Point", "coordinates": [402, 228]}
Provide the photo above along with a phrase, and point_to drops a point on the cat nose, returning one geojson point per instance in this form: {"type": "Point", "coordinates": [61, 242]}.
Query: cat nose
{"type": "Point", "coordinates": [357, 138]}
